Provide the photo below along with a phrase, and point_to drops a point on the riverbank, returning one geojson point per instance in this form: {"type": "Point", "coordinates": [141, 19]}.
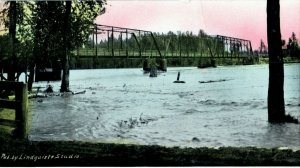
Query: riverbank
{"type": "Point", "coordinates": [72, 153]}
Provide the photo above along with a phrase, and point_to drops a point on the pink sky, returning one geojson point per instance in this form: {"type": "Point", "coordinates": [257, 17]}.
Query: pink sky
{"type": "Point", "coordinates": [237, 18]}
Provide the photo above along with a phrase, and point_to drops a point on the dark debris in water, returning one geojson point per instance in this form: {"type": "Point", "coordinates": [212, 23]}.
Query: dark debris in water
{"type": "Point", "coordinates": [38, 94]}
{"type": "Point", "coordinates": [91, 88]}
{"type": "Point", "coordinates": [211, 81]}
{"type": "Point", "coordinates": [292, 105]}
{"type": "Point", "coordinates": [291, 119]}
{"type": "Point", "coordinates": [192, 111]}
{"type": "Point", "coordinates": [195, 139]}
{"type": "Point", "coordinates": [134, 122]}
{"type": "Point", "coordinates": [178, 81]}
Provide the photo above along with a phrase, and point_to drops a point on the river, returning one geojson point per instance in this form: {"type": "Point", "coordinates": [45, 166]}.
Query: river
{"type": "Point", "coordinates": [127, 106]}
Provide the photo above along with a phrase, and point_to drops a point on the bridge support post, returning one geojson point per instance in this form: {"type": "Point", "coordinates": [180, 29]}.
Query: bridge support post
{"type": "Point", "coordinates": [146, 64]}
{"type": "Point", "coordinates": [163, 64]}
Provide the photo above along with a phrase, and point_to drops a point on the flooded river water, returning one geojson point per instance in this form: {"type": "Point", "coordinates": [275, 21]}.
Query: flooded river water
{"type": "Point", "coordinates": [127, 106]}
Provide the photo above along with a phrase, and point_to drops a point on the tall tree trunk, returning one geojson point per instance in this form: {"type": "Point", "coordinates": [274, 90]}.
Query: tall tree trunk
{"type": "Point", "coordinates": [276, 109]}
{"type": "Point", "coordinates": [31, 76]}
{"type": "Point", "coordinates": [36, 47]}
{"type": "Point", "coordinates": [12, 36]}
{"type": "Point", "coordinates": [65, 61]}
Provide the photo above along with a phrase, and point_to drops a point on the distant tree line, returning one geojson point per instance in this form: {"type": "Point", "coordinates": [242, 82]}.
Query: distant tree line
{"type": "Point", "coordinates": [291, 49]}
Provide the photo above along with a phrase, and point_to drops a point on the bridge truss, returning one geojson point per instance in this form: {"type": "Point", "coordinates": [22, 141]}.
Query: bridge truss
{"type": "Point", "coordinates": [123, 42]}
{"type": "Point", "coordinates": [112, 41]}
{"type": "Point", "coordinates": [235, 47]}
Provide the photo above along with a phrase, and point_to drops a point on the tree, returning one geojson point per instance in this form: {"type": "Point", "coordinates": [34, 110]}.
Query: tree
{"type": "Point", "coordinates": [17, 46]}
{"type": "Point", "coordinates": [262, 47]}
{"type": "Point", "coordinates": [12, 17]}
{"type": "Point", "coordinates": [292, 45]}
{"type": "Point", "coordinates": [65, 60]}
{"type": "Point", "coordinates": [60, 27]}
{"type": "Point", "coordinates": [12, 14]}
{"type": "Point", "coordinates": [276, 106]}
{"type": "Point", "coordinates": [77, 27]}
{"type": "Point", "coordinates": [51, 32]}
{"type": "Point", "coordinates": [37, 39]}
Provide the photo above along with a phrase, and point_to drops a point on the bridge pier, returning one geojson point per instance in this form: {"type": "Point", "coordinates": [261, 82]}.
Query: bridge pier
{"type": "Point", "coordinates": [207, 62]}
{"type": "Point", "coordinates": [160, 64]}
{"type": "Point", "coordinates": [146, 64]}
{"type": "Point", "coordinates": [163, 64]}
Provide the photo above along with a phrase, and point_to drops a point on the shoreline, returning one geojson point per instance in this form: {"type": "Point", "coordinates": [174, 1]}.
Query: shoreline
{"type": "Point", "coordinates": [90, 62]}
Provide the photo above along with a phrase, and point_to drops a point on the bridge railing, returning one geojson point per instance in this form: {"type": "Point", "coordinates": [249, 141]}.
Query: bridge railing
{"type": "Point", "coordinates": [103, 52]}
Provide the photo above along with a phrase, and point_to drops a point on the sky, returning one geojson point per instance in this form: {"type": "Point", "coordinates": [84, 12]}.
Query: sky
{"type": "Point", "coordinates": [244, 19]}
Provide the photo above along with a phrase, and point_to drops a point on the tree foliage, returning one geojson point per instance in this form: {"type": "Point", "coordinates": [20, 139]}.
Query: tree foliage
{"type": "Point", "coordinates": [48, 20]}
{"type": "Point", "coordinates": [40, 35]}
{"type": "Point", "coordinates": [23, 34]}
{"type": "Point", "coordinates": [293, 46]}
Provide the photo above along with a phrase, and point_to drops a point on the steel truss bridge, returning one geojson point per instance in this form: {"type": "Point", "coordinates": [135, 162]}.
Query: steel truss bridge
{"type": "Point", "coordinates": [119, 42]}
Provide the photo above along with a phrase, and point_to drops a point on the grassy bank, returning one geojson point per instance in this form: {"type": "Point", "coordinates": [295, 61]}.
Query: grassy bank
{"type": "Point", "coordinates": [69, 153]}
